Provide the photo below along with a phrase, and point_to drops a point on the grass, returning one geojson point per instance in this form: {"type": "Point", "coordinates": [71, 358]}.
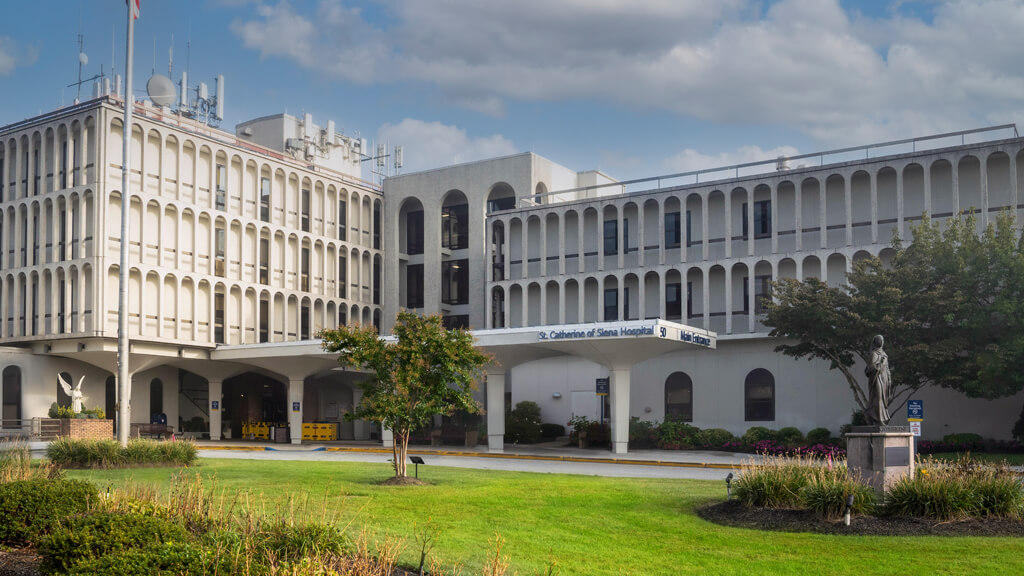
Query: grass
{"type": "Point", "coordinates": [589, 525]}
{"type": "Point", "coordinates": [1011, 459]}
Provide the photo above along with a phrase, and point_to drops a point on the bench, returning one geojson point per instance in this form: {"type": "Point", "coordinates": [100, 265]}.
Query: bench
{"type": "Point", "coordinates": [151, 430]}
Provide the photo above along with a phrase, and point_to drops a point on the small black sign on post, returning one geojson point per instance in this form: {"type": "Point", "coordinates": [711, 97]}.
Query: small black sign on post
{"type": "Point", "coordinates": [602, 386]}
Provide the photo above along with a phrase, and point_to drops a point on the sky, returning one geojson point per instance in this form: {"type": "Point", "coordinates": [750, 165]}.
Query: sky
{"type": "Point", "coordinates": [634, 88]}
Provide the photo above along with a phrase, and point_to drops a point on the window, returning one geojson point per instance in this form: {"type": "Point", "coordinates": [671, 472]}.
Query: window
{"type": "Point", "coordinates": [64, 165]}
{"type": "Point", "coordinates": [625, 304]}
{"type": "Point", "coordinates": [222, 186]}
{"type": "Point", "coordinates": [625, 235]}
{"type": "Point", "coordinates": [376, 225]}
{"type": "Point", "coordinates": [304, 222]}
{"type": "Point", "coordinates": [762, 291]}
{"type": "Point", "coordinates": [304, 275]}
{"type": "Point", "coordinates": [265, 199]}
{"type": "Point", "coordinates": [455, 227]}
{"type": "Point", "coordinates": [376, 280]}
{"type": "Point", "coordinates": [414, 286]}
{"type": "Point", "coordinates": [674, 301]}
{"type": "Point", "coordinates": [455, 322]}
{"type": "Point", "coordinates": [342, 220]}
{"type": "Point", "coordinates": [611, 237]}
{"type": "Point", "coordinates": [499, 204]}
{"type": "Point", "coordinates": [672, 232]}
{"type": "Point", "coordinates": [12, 393]}
{"type": "Point", "coordinates": [414, 232]}
{"type": "Point", "coordinates": [759, 396]}
{"type": "Point", "coordinates": [455, 282]}
{"type": "Point", "coordinates": [679, 397]}
{"type": "Point", "coordinates": [342, 276]}
{"type": "Point", "coordinates": [35, 172]}
{"type": "Point", "coordinates": [264, 261]}
{"type": "Point", "coordinates": [264, 320]}
{"type": "Point", "coordinates": [156, 397]}
{"type": "Point", "coordinates": [689, 228]}
{"type": "Point", "coordinates": [220, 253]}
{"type": "Point", "coordinates": [63, 233]}
{"type": "Point", "coordinates": [611, 304]}
{"type": "Point", "coordinates": [2, 179]}
{"type": "Point", "coordinates": [304, 322]}
{"type": "Point", "coordinates": [689, 299]}
{"type": "Point", "coordinates": [762, 219]}
{"type": "Point", "coordinates": [342, 316]}
{"type": "Point", "coordinates": [218, 318]}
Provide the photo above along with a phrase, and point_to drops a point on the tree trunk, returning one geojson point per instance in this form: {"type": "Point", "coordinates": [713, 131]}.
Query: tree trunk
{"type": "Point", "coordinates": [400, 451]}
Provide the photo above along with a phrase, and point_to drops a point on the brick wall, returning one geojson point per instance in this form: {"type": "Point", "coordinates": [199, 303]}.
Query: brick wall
{"type": "Point", "coordinates": [78, 428]}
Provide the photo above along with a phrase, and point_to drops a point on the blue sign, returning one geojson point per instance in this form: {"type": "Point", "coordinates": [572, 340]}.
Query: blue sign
{"type": "Point", "coordinates": [296, 407]}
{"type": "Point", "coordinates": [915, 410]}
{"type": "Point", "coordinates": [602, 386]}
{"type": "Point", "coordinates": [214, 404]}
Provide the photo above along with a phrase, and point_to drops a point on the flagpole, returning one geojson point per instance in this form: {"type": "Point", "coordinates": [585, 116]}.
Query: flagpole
{"type": "Point", "coordinates": [123, 379]}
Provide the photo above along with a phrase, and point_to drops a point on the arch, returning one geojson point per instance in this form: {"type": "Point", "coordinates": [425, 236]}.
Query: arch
{"type": "Point", "coordinates": [913, 192]}
{"type": "Point", "coordinates": [969, 172]}
{"type": "Point", "coordinates": [455, 220]}
{"type": "Point", "coordinates": [759, 396]}
{"type": "Point", "coordinates": [498, 307]}
{"type": "Point", "coordinates": [860, 206]}
{"type": "Point", "coordinates": [538, 193]}
{"type": "Point", "coordinates": [997, 166]}
{"type": "Point", "coordinates": [679, 397]}
{"type": "Point", "coordinates": [501, 197]}
{"type": "Point", "coordinates": [11, 403]}
{"type": "Point", "coordinates": [571, 291]}
{"type": "Point", "coordinates": [836, 270]}
{"type": "Point", "coordinates": [551, 309]}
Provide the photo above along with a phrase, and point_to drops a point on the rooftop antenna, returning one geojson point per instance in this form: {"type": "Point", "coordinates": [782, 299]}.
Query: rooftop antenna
{"type": "Point", "coordinates": [170, 58]}
{"type": "Point", "coordinates": [82, 60]}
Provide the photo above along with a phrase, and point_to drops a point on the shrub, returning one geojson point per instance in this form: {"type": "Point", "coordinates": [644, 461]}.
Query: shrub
{"type": "Point", "coordinates": [758, 434]}
{"type": "Point", "coordinates": [954, 490]}
{"type": "Point", "coordinates": [70, 452]}
{"type": "Point", "coordinates": [717, 438]}
{"type": "Point", "coordinates": [292, 543]}
{"type": "Point", "coordinates": [30, 508]}
{"type": "Point", "coordinates": [551, 431]}
{"type": "Point", "coordinates": [94, 535]}
{"type": "Point", "coordinates": [963, 438]}
{"type": "Point", "coordinates": [676, 434]}
{"type": "Point", "coordinates": [774, 482]}
{"type": "Point", "coordinates": [828, 487]}
{"type": "Point", "coordinates": [642, 433]}
{"type": "Point", "coordinates": [171, 558]}
{"type": "Point", "coordinates": [523, 425]}
{"type": "Point", "coordinates": [578, 424]}
{"type": "Point", "coordinates": [819, 436]}
{"type": "Point", "coordinates": [791, 436]}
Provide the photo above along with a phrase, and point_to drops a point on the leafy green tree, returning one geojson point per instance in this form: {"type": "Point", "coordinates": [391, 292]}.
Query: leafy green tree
{"type": "Point", "coordinates": [950, 305]}
{"type": "Point", "coordinates": [421, 371]}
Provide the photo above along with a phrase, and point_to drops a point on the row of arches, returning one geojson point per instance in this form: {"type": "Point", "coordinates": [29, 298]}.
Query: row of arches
{"type": "Point", "coordinates": [57, 299]}
{"type": "Point", "coordinates": [724, 298]}
{"type": "Point", "coordinates": [171, 165]}
{"type": "Point", "coordinates": [55, 229]}
{"type": "Point", "coordinates": [780, 214]}
{"type": "Point", "coordinates": [46, 159]}
{"type": "Point", "coordinates": [169, 306]}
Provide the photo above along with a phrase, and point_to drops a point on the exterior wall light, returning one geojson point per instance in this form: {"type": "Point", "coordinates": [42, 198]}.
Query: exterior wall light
{"type": "Point", "coordinates": [556, 395]}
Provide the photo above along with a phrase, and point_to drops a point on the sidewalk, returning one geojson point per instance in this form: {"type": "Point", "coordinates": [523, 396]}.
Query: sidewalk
{"type": "Point", "coordinates": [558, 451]}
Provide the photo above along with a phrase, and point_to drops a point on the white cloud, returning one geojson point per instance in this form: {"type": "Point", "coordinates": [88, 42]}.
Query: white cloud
{"type": "Point", "coordinates": [428, 145]}
{"type": "Point", "coordinates": [12, 55]}
{"type": "Point", "coordinates": [810, 65]}
{"type": "Point", "coordinates": [689, 160]}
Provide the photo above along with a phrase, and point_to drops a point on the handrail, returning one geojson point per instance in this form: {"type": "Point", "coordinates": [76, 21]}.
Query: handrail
{"type": "Point", "coordinates": [529, 201]}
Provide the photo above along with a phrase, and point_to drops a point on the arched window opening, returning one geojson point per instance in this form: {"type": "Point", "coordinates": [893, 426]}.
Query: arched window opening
{"type": "Point", "coordinates": [759, 396]}
{"type": "Point", "coordinates": [11, 413]}
{"type": "Point", "coordinates": [679, 397]}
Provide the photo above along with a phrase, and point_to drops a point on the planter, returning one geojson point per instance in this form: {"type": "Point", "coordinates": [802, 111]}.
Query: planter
{"type": "Point", "coordinates": [583, 439]}
{"type": "Point", "coordinates": [77, 428]}
{"type": "Point", "coordinates": [472, 437]}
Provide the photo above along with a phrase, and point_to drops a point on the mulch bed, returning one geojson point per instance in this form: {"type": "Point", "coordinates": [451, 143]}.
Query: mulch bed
{"type": "Point", "coordinates": [733, 513]}
{"type": "Point", "coordinates": [19, 562]}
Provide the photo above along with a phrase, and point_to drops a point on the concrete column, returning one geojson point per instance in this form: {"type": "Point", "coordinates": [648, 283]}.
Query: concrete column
{"type": "Point", "coordinates": [524, 247]}
{"type": "Point", "coordinates": [728, 228]}
{"type": "Point", "coordinates": [622, 237]}
{"type": "Point", "coordinates": [619, 388]}
{"type": "Point", "coordinates": [848, 193]}
{"type": "Point", "coordinates": [823, 212]}
{"type": "Point", "coordinates": [899, 203]}
{"type": "Point", "coordinates": [928, 188]}
{"type": "Point", "coordinates": [543, 304]}
{"type": "Point", "coordinates": [955, 164]}
{"type": "Point", "coordinates": [387, 438]}
{"type": "Point", "coordinates": [728, 298]}
{"type": "Point", "coordinates": [295, 392]}
{"type": "Point", "coordinates": [216, 407]}
{"type": "Point", "coordinates": [581, 264]}
{"type": "Point", "coordinates": [561, 302]}
{"type": "Point", "coordinates": [663, 291]}
{"type": "Point", "coordinates": [620, 301]}
{"type": "Point", "coordinates": [661, 231]}
{"type": "Point", "coordinates": [751, 297]}
{"type": "Point", "coordinates": [983, 174]}
{"type": "Point", "coordinates": [641, 240]}
{"type": "Point", "coordinates": [561, 243]}
{"type": "Point", "coordinates": [1014, 194]}
{"type": "Point", "coordinates": [706, 298]}
{"type": "Point", "coordinates": [750, 222]}
{"type": "Point", "coordinates": [775, 217]}
{"type": "Point", "coordinates": [704, 226]}
{"type": "Point", "coordinates": [798, 216]}
{"type": "Point", "coordinates": [874, 204]}
{"type": "Point", "coordinates": [496, 411]}
{"type": "Point", "coordinates": [543, 248]}
{"type": "Point", "coordinates": [360, 428]}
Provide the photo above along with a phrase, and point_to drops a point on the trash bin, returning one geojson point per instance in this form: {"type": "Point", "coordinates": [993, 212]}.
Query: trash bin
{"type": "Point", "coordinates": [281, 435]}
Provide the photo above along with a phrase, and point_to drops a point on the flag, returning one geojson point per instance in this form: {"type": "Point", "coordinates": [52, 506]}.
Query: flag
{"type": "Point", "coordinates": [135, 7]}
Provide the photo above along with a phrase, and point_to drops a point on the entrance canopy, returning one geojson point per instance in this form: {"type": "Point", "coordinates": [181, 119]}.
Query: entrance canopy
{"type": "Point", "coordinates": [615, 345]}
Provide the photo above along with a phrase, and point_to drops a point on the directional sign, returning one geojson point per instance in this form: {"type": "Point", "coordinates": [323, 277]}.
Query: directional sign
{"type": "Point", "coordinates": [602, 386]}
{"type": "Point", "coordinates": [915, 427]}
{"type": "Point", "coordinates": [915, 410]}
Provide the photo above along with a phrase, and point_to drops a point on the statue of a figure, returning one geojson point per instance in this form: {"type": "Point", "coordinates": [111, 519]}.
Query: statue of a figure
{"type": "Point", "coordinates": [76, 393]}
{"type": "Point", "coordinates": [879, 383]}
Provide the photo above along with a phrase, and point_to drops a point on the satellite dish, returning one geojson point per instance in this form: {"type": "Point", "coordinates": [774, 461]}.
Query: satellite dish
{"type": "Point", "coordinates": [161, 90]}
{"type": "Point", "coordinates": [82, 58]}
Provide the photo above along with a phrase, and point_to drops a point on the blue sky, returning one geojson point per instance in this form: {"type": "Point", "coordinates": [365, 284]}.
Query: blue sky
{"type": "Point", "coordinates": [635, 88]}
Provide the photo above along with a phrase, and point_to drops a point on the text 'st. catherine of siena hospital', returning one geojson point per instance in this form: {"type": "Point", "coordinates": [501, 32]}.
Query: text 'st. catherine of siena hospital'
{"type": "Point", "coordinates": [244, 244]}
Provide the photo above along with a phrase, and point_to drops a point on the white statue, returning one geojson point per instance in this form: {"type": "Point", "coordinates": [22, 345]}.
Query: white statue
{"type": "Point", "coordinates": [76, 393]}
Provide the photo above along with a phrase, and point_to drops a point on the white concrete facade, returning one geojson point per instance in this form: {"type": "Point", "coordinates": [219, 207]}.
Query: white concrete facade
{"type": "Point", "coordinates": [243, 247]}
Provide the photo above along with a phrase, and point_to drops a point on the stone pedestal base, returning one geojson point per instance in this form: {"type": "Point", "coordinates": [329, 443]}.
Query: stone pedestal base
{"type": "Point", "coordinates": [880, 455]}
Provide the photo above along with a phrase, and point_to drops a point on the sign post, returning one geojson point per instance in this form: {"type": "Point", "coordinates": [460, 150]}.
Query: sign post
{"type": "Point", "coordinates": [602, 387]}
{"type": "Point", "coordinates": [915, 417]}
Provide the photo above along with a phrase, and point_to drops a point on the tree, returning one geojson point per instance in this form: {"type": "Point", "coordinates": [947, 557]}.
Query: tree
{"type": "Point", "coordinates": [950, 305]}
{"type": "Point", "coordinates": [422, 371]}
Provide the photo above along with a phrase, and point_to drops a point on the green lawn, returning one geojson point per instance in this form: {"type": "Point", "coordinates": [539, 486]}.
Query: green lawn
{"type": "Point", "coordinates": [589, 525]}
{"type": "Point", "coordinates": [1012, 459]}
